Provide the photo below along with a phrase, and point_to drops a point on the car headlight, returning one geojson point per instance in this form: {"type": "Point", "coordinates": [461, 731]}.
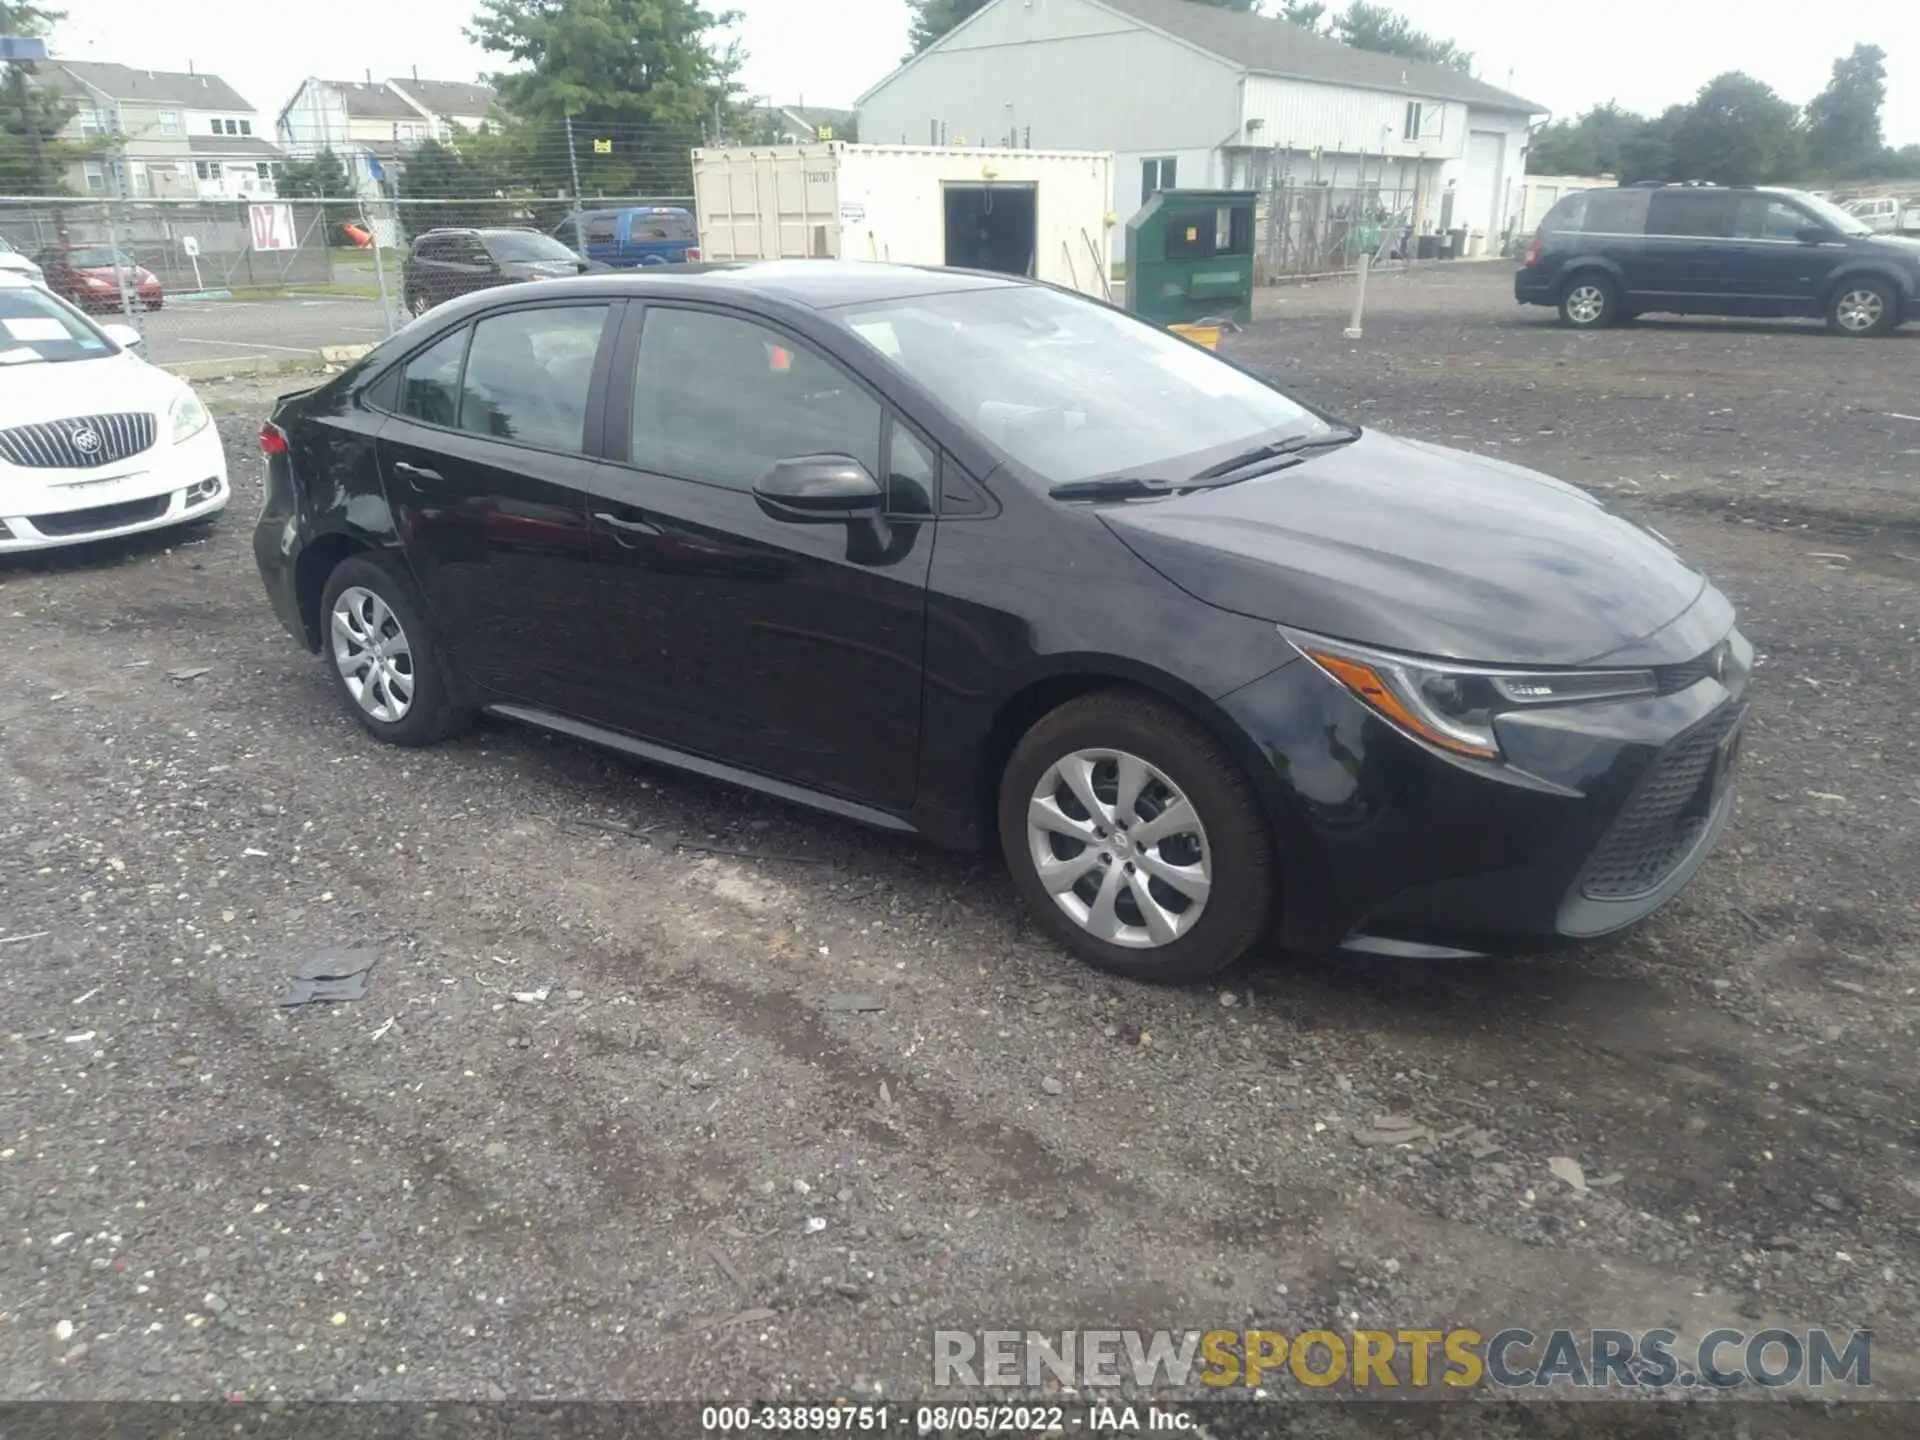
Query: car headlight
{"type": "Point", "coordinates": [189, 417]}
{"type": "Point", "coordinates": [1453, 706]}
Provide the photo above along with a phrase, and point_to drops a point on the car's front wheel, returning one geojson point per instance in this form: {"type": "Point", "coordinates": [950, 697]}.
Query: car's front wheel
{"type": "Point", "coordinates": [1590, 302]}
{"type": "Point", "coordinates": [418, 306]}
{"type": "Point", "coordinates": [383, 656]}
{"type": "Point", "coordinates": [1863, 307]}
{"type": "Point", "coordinates": [1136, 839]}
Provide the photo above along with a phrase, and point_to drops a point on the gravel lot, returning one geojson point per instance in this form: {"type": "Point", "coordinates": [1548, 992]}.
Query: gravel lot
{"type": "Point", "coordinates": [692, 1168]}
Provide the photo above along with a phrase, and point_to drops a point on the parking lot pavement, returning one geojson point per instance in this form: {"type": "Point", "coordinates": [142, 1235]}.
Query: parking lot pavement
{"type": "Point", "coordinates": [602, 1126]}
{"type": "Point", "coordinates": [259, 329]}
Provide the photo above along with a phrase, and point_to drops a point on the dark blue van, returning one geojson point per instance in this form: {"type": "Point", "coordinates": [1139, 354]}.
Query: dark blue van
{"type": "Point", "coordinates": [635, 235]}
{"type": "Point", "coordinates": [1693, 249]}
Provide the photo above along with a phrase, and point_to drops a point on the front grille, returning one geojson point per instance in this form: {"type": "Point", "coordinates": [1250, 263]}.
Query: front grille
{"type": "Point", "coordinates": [79, 443]}
{"type": "Point", "coordinates": [101, 517]}
{"type": "Point", "coordinates": [1672, 679]}
{"type": "Point", "coordinates": [1663, 819]}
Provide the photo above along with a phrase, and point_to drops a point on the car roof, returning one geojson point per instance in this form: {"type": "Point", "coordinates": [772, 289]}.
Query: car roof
{"type": "Point", "coordinates": [816, 284]}
{"type": "Point", "coordinates": [13, 279]}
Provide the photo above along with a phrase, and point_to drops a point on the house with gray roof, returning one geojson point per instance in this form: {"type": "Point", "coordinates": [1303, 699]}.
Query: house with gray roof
{"type": "Point", "coordinates": [162, 134]}
{"type": "Point", "coordinates": [371, 124]}
{"type": "Point", "coordinates": [1191, 96]}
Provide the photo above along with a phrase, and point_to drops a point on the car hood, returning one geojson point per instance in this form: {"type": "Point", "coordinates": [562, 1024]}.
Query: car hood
{"type": "Point", "coordinates": [1420, 548]}
{"type": "Point", "coordinates": [1899, 244]}
{"type": "Point", "coordinates": [45, 391]}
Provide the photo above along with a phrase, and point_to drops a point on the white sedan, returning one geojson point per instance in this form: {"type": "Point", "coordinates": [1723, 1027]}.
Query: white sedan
{"type": "Point", "coordinates": [94, 442]}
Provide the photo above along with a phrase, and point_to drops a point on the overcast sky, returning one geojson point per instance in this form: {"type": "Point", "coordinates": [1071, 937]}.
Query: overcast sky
{"type": "Point", "coordinates": [1647, 54]}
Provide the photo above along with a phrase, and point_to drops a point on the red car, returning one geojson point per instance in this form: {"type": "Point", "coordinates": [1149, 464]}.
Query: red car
{"type": "Point", "coordinates": [85, 275]}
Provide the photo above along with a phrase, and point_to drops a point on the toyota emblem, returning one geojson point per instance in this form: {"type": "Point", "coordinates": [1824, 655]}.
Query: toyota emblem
{"type": "Point", "coordinates": [86, 441]}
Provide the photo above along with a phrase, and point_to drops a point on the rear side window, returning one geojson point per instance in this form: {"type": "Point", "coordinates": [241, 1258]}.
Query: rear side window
{"type": "Point", "coordinates": [1615, 212]}
{"type": "Point", "coordinates": [431, 392]}
{"type": "Point", "coordinates": [664, 227]}
{"type": "Point", "coordinates": [600, 229]}
{"type": "Point", "coordinates": [1569, 216]}
{"type": "Point", "coordinates": [528, 376]}
{"type": "Point", "coordinates": [1690, 213]}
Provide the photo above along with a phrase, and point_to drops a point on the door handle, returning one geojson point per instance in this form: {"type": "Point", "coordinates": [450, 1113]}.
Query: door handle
{"type": "Point", "coordinates": [625, 527]}
{"type": "Point", "coordinates": [417, 472]}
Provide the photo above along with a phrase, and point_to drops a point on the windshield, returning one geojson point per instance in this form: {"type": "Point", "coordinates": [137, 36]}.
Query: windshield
{"type": "Point", "coordinates": [1831, 213]}
{"type": "Point", "coordinates": [1070, 389]}
{"type": "Point", "coordinates": [525, 245]}
{"type": "Point", "coordinates": [35, 328]}
{"type": "Point", "coordinates": [96, 257]}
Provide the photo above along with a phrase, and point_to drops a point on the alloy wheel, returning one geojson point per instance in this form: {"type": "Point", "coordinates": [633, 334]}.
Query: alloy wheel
{"type": "Point", "coordinates": [1859, 310]}
{"type": "Point", "coordinates": [373, 655]}
{"type": "Point", "coordinates": [1586, 304]}
{"type": "Point", "coordinates": [1120, 848]}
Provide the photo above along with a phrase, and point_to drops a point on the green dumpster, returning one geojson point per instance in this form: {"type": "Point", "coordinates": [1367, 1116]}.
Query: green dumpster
{"type": "Point", "coordinates": [1190, 257]}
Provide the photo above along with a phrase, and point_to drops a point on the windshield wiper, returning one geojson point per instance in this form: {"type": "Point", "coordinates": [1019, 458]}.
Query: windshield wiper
{"type": "Point", "coordinates": [1124, 487]}
{"type": "Point", "coordinates": [1292, 445]}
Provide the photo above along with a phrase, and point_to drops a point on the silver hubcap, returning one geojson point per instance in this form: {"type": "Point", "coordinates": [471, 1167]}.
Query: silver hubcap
{"type": "Point", "coordinates": [419, 306]}
{"type": "Point", "coordinates": [1586, 304]}
{"type": "Point", "coordinates": [1860, 310]}
{"type": "Point", "coordinates": [1119, 848]}
{"type": "Point", "coordinates": [373, 654]}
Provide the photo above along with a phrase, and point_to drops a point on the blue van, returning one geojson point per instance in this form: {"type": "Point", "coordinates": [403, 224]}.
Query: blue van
{"type": "Point", "coordinates": [635, 235]}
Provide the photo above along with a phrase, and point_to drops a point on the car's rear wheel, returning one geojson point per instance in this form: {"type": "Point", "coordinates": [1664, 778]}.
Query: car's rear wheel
{"type": "Point", "coordinates": [384, 659]}
{"type": "Point", "coordinates": [1863, 307]}
{"type": "Point", "coordinates": [1136, 839]}
{"type": "Point", "coordinates": [1590, 301]}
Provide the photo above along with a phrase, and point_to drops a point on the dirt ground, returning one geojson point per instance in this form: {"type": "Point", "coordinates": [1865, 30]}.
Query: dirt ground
{"type": "Point", "coordinates": [693, 1167]}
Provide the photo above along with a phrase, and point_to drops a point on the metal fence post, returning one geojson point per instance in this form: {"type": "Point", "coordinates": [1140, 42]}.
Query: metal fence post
{"type": "Point", "coordinates": [120, 225]}
{"type": "Point", "coordinates": [1359, 295]}
{"type": "Point", "coordinates": [573, 165]}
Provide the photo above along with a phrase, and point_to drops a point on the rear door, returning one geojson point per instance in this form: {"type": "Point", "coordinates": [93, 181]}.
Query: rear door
{"type": "Point", "coordinates": [791, 649]}
{"type": "Point", "coordinates": [1683, 261]}
{"type": "Point", "coordinates": [487, 466]}
{"type": "Point", "coordinates": [1769, 268]}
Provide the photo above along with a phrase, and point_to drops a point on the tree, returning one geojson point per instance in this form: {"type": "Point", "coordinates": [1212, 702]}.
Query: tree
{"type": "Point", "coordinates": [1843, 120]}
{"type": "Point", "coordinates": [1307, 14]}
{"type": "Point", "coordinates": [32, 156]}
{"type": "Point", "coordinates": [1366, 26]}
{"type": "Point", "coordinates": [316, 177]}
{"type": "Point", "coordinates": [1593, 143]}
{"type": "Point", "coordinates": [1737, 131]}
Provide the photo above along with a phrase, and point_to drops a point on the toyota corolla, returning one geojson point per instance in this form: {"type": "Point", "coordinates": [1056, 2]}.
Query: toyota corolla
{"type": "Point", "coordinates": [973, 559]}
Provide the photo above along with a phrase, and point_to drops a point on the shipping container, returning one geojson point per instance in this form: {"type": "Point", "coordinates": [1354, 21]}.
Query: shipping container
{"type": "Point", "coordinates": [1042, 213]}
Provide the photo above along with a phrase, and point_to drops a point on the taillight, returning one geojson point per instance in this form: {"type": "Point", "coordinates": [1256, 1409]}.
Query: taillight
{"type": "Point", "coordinates": [693, 253]}
{"type": "Point", "coordinates": [1534, 247]}
{"type": "Point", "coordinates": [273, 440]}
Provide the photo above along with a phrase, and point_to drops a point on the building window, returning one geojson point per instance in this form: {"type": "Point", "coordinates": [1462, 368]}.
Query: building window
{"type": "Point", "coordinates": [96, 177]}
{"type": "Point", "coordinates": [263, 170]}
{"type": "Point", "coordinates": [246, 127]}
{"type": "Point", "coordinates": [137, 172]}
{"type": "Point", "coordinates": [1155, 176]}
{"type": "Point", "coordinates": [93, 122]}
{"type": "Point", "coordinates": [207, 169]}
{"type": "Point", "coordinates": [1410, 127]}
{"type": "Point", "coordinates": [169, 122]}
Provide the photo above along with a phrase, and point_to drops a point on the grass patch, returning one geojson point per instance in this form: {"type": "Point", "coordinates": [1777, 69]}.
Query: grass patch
{"type": "Point", "coordinates": [299, 292]}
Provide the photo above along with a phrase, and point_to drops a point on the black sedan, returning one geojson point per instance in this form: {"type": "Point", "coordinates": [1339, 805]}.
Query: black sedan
{"type": "Point", "coordinates": [974, 559]}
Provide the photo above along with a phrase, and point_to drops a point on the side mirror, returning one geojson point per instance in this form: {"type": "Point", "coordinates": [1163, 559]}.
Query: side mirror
{"type": "Point", "coordinates": [1813, 234]}
{"type": "Point", "coordinates": [818, 489]}
{"type": "Point", "coordinates": [125, 336]}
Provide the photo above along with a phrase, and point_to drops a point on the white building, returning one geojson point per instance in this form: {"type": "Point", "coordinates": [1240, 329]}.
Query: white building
{"type": "Point", "coordinates": [1192, 96]}
{"type": "Point", "coordinates": [370, 125]}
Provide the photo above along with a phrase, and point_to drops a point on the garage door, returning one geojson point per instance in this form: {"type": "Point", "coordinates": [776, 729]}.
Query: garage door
{"type": "Point", "coordinates": [1478, 204]}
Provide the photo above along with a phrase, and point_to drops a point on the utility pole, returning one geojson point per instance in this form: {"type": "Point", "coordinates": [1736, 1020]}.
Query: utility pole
{"type": "Point", "coordinates": [573, 164]}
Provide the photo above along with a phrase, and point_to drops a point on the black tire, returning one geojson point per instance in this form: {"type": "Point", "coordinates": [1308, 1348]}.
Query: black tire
{"type": "Point", "coordinates": [418, 305]}
{"type": "Point", "coordinates": [1589, 301]}
{"type": "Point", "coordinates": [1863, 307]}
{"type": "Point", "coordinates": [432, 714]}
{"type": "Point", "coordinates": [1239, 845]}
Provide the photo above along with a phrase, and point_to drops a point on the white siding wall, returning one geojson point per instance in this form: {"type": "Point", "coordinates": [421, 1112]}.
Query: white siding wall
{"type": "Point", "coordinates": [1488, 201]}
{"type": "Point", "coordinates": [1301, 116]}
{"type": "Point", "coordinates": [1063, 74]}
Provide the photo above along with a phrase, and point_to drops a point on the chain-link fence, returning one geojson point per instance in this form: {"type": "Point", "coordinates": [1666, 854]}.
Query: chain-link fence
{"type": "Point", "coordinates": [1306, 228]}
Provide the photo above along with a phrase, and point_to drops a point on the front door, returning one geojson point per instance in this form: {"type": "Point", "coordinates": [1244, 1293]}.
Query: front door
{"type": "Point", "coordinates": [1769, 268]}
{"type": "Point", "coordinates": [486, 468]}
{"type": "Point", "coordinates": [787, 648]}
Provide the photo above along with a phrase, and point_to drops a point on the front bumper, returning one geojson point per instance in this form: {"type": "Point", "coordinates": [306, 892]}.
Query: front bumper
{"type": "Point", "coordinates": [1603, 814]}
{"type": "Point", "coordinates": [164, 485]}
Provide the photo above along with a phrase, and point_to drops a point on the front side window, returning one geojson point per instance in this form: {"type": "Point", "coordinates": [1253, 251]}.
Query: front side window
{"type": "Point", "coordinates": [600, 229]}
{"type": "Point", "coordinates": [528, 374]}
{"type": "Point", "coordinates": [1761, 217]}
{"type": "Point", "coordinates": [721, 400]}
{"type": "Point", "coordinates": [1070, 390]}
{"type": "Point", "coordinates": [431, 391]}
